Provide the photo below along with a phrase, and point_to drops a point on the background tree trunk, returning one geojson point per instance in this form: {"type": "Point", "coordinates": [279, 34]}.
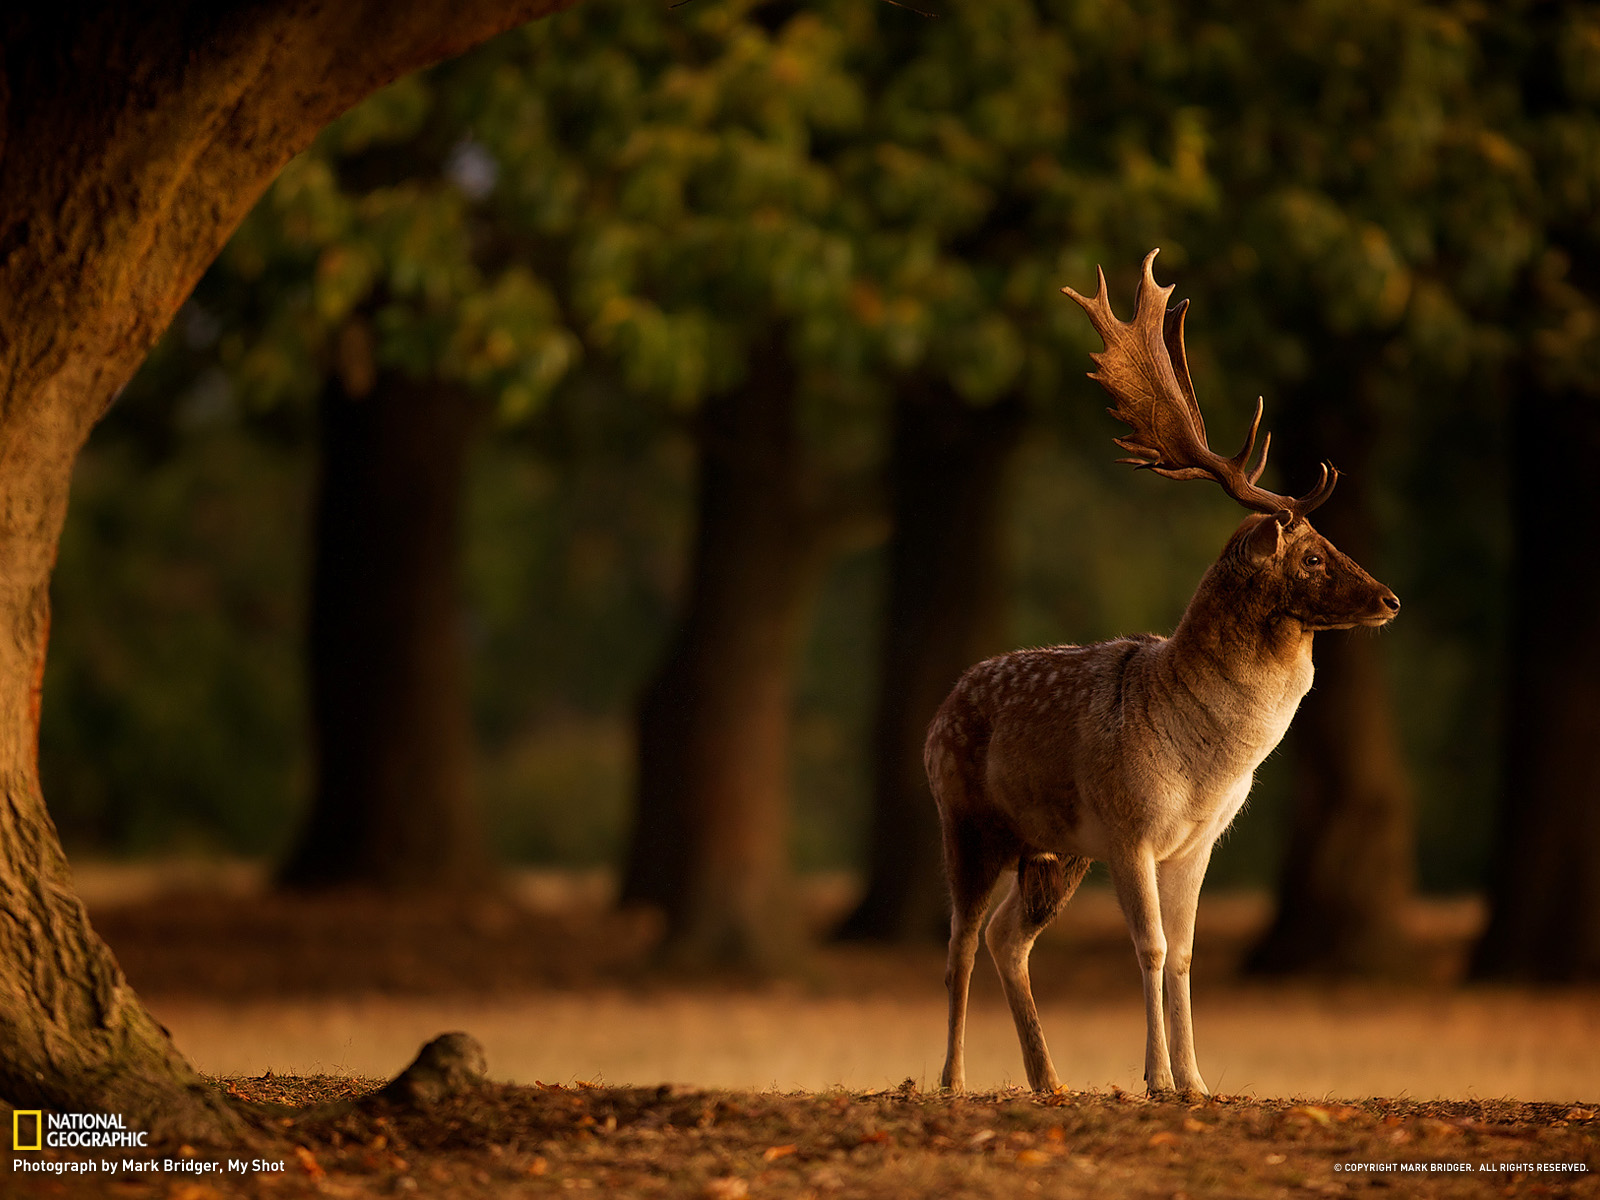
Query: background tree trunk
{"type": "Point", "coordinates": [710, 843]}
{"type": "Point", "coordinates": [135, 138]}
{"type": "Point", "coordinates": [391, 735]}
{"type": "Point", "coordinates": [1544, 885]}
{"type": "Point", "coordinates": [942, 613]}
{"type": "Point", "coordinates": [1544, 879]}
{"type": "Point", "coordinates": [1348, 869]}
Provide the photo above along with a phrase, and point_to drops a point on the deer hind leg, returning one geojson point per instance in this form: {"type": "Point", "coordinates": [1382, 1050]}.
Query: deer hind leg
{"type": "Point", "coordinates": [973, 865]}
{"type": "Point", "coordinates": [1134, 875]}
{"type": "Point", "coordinates": [1042, 886]}
{"type": "Point", "coordinates": [1179, 884]}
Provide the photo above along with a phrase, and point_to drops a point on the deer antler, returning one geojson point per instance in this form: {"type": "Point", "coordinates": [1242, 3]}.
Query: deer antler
{"type": "Point", "coordinates": [1145, 370]}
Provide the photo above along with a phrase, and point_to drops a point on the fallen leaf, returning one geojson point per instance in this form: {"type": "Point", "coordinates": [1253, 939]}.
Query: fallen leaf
{"type": "Point", "coordinates": [773, 1153]}
{"type": "Point", "coordinates": [729, 1187]}
{"type": "Point", "coordinates": [1032, 1158]}
{"type": "Point", "coordinates": [308, 1162]}
{"type": "Point", "coordinates": [1190, 1125]}
{"type": "Point", "coordinates": [1165, 1138]}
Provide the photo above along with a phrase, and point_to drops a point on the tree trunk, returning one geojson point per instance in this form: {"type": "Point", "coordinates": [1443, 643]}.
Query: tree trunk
{"type": "Point", "coordinates": [1544, 885]}
{"type": "Point", "coordinates": [942, 614]}
{"type": "Point", "coordinates": [710, 844]}
{"type": "Point", "coordinates": [135, 138]}
{"type": "Point", "coordinates": [73, 1036]}
{"type": "Point", "coordinates": [1349, 867]}
{"type": "Point", "coordinates": [391, 805]}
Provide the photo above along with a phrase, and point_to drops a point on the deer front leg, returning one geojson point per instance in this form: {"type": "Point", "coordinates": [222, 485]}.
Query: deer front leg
{"type": "Point", "coordinates": [1179, 882]}
{"type": "Point", "coordinates": [1134, 876]}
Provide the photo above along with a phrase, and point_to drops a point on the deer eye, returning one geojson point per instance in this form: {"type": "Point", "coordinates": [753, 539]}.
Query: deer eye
{"type": "Point", "coordinates": [1312, 560]}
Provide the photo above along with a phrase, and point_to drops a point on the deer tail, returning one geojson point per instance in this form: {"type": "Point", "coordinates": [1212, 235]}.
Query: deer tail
{"type": "Point", "coordinates": [1047, 882]}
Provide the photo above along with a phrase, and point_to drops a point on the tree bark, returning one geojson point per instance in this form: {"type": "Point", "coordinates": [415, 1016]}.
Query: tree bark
{"type": "Point", "coordinates": [1544, 884]}
{"type": "Point", "coordinates": [942, 613]}
{"type": "Point", "coordinates": [1349, 866]}
{"type": "Point", "coordinates": [391, 738]}
{"type": "Point", "coordinates": [710, 844]}
{"type": "Point", "coordinates": [135, 138]}
{"type": "Point", "coordinates": [73, 1036]}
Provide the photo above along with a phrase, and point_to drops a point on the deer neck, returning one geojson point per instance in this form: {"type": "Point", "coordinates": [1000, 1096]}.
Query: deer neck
{"type": "Point", "coordinates": [1238, 658]}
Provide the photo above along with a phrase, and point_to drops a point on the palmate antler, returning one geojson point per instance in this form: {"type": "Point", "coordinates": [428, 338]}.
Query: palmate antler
{"type": "Point", "coordinates": [1145, 370]}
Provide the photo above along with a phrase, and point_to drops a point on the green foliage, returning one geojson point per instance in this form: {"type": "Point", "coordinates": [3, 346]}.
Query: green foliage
{"type": "Point", "coordinates": [334, 274]}
{"type": "Point", "coordinates": [577, 530]}
{"type": "Point", "coordinates": [601, 219]}
{"type": "Point", "coordinates": [172, 698]}
{"type": "Point", "coordinates": [657, 170]}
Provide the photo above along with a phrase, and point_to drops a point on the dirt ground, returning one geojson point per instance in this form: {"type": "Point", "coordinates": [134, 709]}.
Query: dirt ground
{"type": "Point", "coordinates": [509, 1141]}
{"type": "Point", "coordinates": [612, 1077]}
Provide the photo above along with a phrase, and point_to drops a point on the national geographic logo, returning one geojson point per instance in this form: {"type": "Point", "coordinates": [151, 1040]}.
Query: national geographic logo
{"type": "Point", "coordinates": [32, 1119]}
{"type": "Point", "coordinates": [33, 1129]}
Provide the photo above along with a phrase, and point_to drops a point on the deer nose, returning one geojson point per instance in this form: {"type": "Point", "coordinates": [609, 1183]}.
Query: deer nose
{"type": "Point", "coordinates": [1391, 602]}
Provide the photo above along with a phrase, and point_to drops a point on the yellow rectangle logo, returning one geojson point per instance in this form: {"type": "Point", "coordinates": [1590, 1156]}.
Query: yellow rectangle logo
{"type": "Point", "coordinates": [16, 1128]}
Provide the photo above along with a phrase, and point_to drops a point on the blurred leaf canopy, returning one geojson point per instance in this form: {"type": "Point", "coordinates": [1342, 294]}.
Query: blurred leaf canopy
{"type": "Point", "coordinates": [612, 210]}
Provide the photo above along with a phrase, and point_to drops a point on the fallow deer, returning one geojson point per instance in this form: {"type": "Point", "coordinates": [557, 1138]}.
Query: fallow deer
{"type": "Point", "coordinates": [1138, 751]}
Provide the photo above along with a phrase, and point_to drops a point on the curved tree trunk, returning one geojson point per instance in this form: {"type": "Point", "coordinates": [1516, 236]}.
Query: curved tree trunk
{"type": "Point", "coordinates": [391, 805]}
{"type": "Point", "coordinates": [1349, 867]}
{"type": "Point", "coordinates": [942, 614]}
{"type": "Point", "coordinates": [135, 137]}
{"type": "Point", "coordinates": [1544, 885]}
{"type": "Point", "coordinates": [710, 845]}
{"type": "Point", "coordinates": [73, 1036]}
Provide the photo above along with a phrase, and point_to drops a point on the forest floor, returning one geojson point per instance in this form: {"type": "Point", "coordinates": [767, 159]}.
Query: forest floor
{"type": "Point", "coordinates": [616, 1078]}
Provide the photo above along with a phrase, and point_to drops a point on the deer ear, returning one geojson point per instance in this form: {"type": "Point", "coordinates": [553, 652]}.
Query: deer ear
{"type": "Point", "coordinates": [1266, 540]}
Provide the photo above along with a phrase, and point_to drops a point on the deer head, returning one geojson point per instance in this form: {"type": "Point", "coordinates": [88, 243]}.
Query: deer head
{"type": "Point", "coordinates": [1294, 570]}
